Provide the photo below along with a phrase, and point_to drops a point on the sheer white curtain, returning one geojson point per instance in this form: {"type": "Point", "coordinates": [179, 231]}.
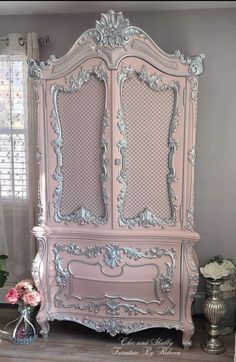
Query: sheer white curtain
{"type": "Point", "coordinates": [17, 153]}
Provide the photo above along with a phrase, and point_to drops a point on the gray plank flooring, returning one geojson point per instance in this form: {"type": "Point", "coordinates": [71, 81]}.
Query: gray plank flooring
{"type": "Point", "coordinates": [72, 342]}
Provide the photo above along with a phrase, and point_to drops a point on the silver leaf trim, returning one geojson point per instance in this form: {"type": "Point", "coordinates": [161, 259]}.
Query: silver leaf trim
{"type": "Point", "coordinates": [195, 63]}
{"type": "Point", "coordinates": [40, 208]}
{"type": "Point", "coordinates": [40, 205]}
{"type": "Point", "coordinates": [147, 218]}
{"type": "Point", "coordinates": [190, 219]}
{"type": "Point", "coordinates": [192, 270]}
{"type": "Point", "coordinates": [194, 88]}
{"type": "Point", "coordinates": [111, 31]}
{"type": "Point", "coordinates": [113, 256]}
{"type": "Point", "coordinates": [192, 156]}
{"type": "Point", "coordinates": [115, 326]}
{"type": "Point", "coordinates": [190, 214]}
{"type": "Point", "coordinates": [100, 324]}
{"type": "Point", "coordinates": [81, 215]}
{"type": "Point", "coordinates": [36, 270]}
{"type": "Point", "coordinates": [38, 154]}
{"type": "Point", "coordinates": [36, 67]}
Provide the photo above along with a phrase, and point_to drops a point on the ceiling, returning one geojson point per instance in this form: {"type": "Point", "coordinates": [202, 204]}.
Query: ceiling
{"type": "Point", "coordinates": [67, 7]}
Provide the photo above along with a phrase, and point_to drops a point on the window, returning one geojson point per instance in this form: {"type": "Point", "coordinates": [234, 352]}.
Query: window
{"type": "Point", "coordinates": [13, 126]}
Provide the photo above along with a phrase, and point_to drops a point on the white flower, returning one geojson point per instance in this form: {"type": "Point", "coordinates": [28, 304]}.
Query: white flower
{"type": "Point", "coordinates": [229, 266]}
{"type": "Point", "coordinates": [217, 271]}
{"type": "Point", "coordinates": [228, 286]}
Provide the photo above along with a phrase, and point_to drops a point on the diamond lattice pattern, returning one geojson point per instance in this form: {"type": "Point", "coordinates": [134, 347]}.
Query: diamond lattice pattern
{"type": "Point", "coordinates": [81, 116]}
{"type": "Point", "coordinates": [148, 115]}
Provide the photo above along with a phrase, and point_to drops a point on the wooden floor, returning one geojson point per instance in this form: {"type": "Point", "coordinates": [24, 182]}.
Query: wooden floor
{"type": "Point", "coordinates": [72, 342]}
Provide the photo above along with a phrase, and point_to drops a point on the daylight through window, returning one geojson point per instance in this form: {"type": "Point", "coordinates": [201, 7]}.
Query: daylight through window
{"type": "Point", "coordinates": [13, 126]}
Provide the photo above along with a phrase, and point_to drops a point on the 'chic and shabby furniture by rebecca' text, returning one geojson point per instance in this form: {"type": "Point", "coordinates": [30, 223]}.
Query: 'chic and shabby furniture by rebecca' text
{"type": "Point", "coordinates": [116, 128]}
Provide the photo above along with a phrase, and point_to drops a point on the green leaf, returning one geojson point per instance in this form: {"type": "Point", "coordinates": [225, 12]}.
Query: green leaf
{"type": "Point", "coordinates": [3, 277]}
{"type": "Point", "coordinates": [2, 257]}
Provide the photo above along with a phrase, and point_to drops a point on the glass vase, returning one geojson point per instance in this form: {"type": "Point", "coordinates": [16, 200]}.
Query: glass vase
{"type": "Point", "coordinates": [21, 330]}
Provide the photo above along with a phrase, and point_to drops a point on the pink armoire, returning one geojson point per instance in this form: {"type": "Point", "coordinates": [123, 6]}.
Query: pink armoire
{"type": "Point", "coordinates": [116, 155]}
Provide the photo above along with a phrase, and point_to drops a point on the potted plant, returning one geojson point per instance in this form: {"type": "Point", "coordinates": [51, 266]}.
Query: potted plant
{"type": "Point", "coordinates": [3, 273]}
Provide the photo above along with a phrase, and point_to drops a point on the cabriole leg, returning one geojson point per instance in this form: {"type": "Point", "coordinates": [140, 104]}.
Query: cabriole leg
{"type": "Point", "coordinates": [186, 339]}
{"type": "Point", "coordinates": [45, 327]}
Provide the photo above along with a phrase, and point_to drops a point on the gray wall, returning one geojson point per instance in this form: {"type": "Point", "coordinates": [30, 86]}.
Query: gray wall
{"type": "Point", "coordinates": [210, 31]}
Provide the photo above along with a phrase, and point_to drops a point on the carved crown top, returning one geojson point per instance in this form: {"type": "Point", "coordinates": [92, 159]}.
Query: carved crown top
{"type": "Point", "coordinates": [111, 29]}
{"type": "Point", "coordinates": [114, 31]}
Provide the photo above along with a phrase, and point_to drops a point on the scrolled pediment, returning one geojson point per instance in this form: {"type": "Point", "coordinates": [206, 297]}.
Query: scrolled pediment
{"type": "Point", "coordinates": [112, 39]}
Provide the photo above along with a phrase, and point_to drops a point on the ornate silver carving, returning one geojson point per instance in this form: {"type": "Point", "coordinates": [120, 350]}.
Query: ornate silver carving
{"type": "Point", "coordinates": [192, 156]}
{"type": "Point", "coordinates": [194, 87]}
{"type": "Point", "coordinates": [114, 31]}
{"type": "Point", "coordinates": [38, 154]}
{"type": "Point", "coordinates": [195, 63]}
{"type": "Point", "coordinates": [36, 266]}
{"type": "Point", "coordinates": [112, 258]}
{"type": "Point", "coordinates": [193, 285]}
{"type": "Point", "coordinates": [36, 85]}
{"type": "Point", "coordinates": [36, 67]}
{"type": "Point", "coordinates": [190, 219]}
{"type": "Point", "coordinates": [193, 278]}
{"type": "Point", "coordinates": [191, 270]}
{"type": "Point", "coordinates": [81, 215]}
{"type": "Point", "coordinates": [40, 208]}
{"type": "Point", "coordinates": [113, 305]}
{"type": "Point", "coordinates": [91, 323]}
{"type": "Point", "coordinates": [40, 205]}
{"type": "Point", "coordinates": [146, 218]}
{"type": "Point", "coordinates": [114, 326]}
{"type": "Point", "coordinates": [111, 31]}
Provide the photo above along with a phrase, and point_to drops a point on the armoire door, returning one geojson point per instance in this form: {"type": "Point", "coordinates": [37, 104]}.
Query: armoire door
{"type": "Point", "coordinates": [148, 157]}
{"type": "Point", "coordinates": [78, 141]}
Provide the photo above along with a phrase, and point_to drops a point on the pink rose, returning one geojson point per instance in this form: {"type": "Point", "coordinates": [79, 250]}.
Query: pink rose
{"type": "Point", "coordinates": [12, 296]}
{"type": "Point", "coordinates": [25, 285]}
{"type": "Point", "coordinates": [32, 298]}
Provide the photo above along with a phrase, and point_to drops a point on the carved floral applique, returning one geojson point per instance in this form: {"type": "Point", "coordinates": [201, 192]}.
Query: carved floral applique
{"type": "Point", "coordinates": [112, 256]}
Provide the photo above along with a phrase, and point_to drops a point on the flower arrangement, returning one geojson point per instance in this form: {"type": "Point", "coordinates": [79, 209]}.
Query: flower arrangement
{"type": "Point", "coordinates": [218, 267]}
{"type": "Point", "coordinates": [24, 294]}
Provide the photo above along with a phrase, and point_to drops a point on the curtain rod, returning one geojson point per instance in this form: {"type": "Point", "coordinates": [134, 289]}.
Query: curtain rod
{"type": "Point", "coordinates": [44, 40]}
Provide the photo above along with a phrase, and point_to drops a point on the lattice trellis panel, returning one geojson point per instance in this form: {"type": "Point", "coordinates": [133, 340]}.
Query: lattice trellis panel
{"type": "Point", "coordinates": [148, 116]}
{"type": "Point", "coordinates": [81, 115]}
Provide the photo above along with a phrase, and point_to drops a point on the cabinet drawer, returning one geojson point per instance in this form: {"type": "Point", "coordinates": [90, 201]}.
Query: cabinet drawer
{"type": "Point", "coordinates": [117, 279]}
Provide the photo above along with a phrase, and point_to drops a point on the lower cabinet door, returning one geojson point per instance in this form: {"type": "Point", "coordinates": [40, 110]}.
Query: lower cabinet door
{"type": "Point", "coordinates": [120, 279]}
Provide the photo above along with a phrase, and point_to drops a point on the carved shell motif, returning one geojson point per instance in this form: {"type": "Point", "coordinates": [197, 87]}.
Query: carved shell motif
{"type": "Point", "coordinates": [111, 29]}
